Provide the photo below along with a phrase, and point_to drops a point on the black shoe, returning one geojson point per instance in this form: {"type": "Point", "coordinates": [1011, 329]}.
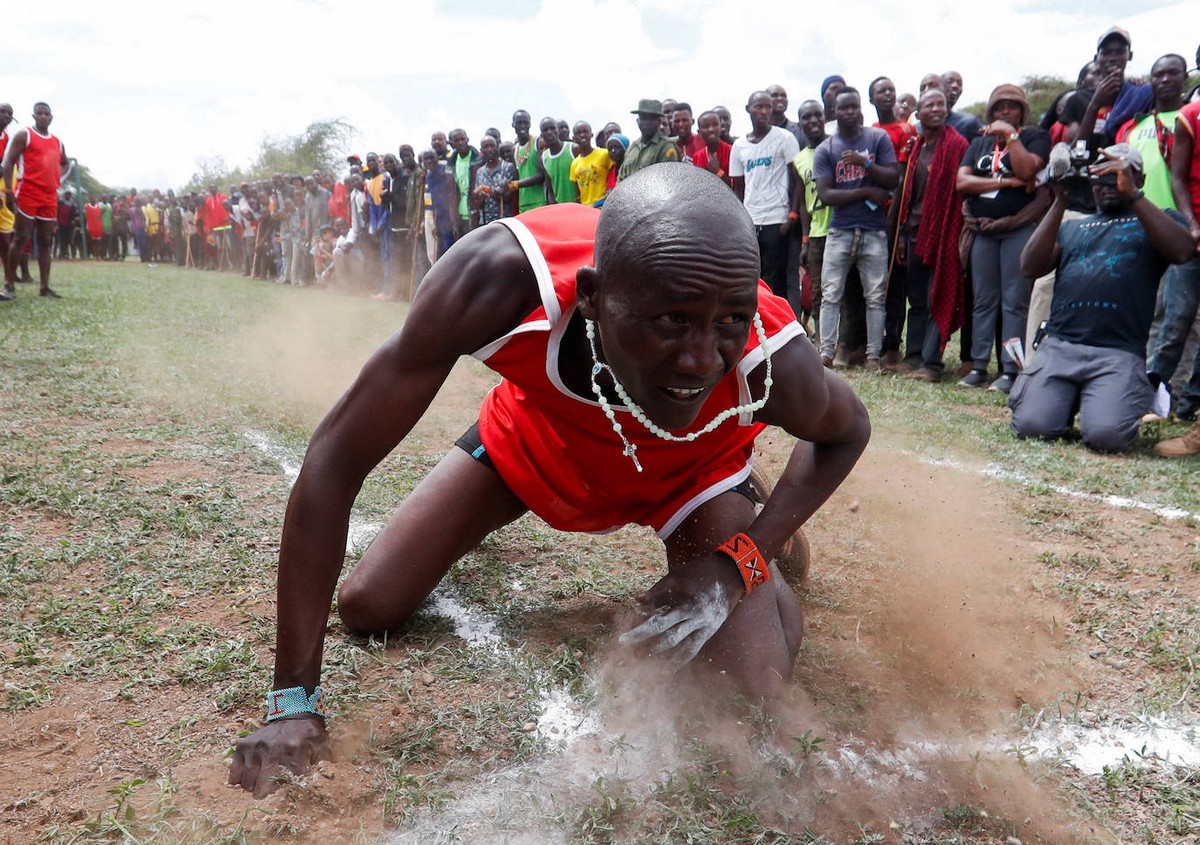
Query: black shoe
{"type": "Point", "coordinates": [26, 280]}
{"type": "Point", "coordinates": [6, 296]}
{"type": "Point", "coordinates": [975, 378]}
{"type": "Point", "coordinates": [1003, 384]}
{"type": "Point", "coordinates": [50, 293]}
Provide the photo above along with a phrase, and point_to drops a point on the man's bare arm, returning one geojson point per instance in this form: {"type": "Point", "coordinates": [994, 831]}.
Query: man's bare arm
{"type": "Point", "coordinates": [832, 426]}
{"type": "Point", "coordinates": [482, 288]}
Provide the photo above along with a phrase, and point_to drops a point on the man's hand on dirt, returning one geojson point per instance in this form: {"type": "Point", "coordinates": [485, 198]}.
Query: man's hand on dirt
{"type": "Point", "coordinates": [294, 744]}
{"type": "Point", "coordinates": [688, 606]}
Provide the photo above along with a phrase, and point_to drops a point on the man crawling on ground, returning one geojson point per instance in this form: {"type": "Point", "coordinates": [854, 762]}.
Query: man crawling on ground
{"type": "Point", "coordinates": [640, 357]}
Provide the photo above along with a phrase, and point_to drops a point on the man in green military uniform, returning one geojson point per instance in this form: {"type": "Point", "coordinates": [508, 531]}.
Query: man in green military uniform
{"type": "Point", "coordinates": [652, 147]}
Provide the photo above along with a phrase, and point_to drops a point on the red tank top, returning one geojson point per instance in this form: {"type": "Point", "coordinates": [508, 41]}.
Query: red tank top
{"type": "Point", "coordinates": [557, 451]}
{"type": "Point", "coordinates": [41, 163]}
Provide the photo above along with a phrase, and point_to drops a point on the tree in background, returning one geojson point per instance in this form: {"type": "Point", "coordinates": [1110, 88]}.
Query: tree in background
{"type": "Point", "coordinates": [321, 146]}
{"type": "Point", "coordinates": [1040, 91]}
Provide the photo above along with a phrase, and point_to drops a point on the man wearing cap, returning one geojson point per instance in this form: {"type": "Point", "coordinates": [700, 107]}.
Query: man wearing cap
{"type": "Point", "coordinates": [830, 86]}
{"type": "Point", "coordinates": [650, 147]}
{"type": "Point", "coordinates": [1092, 358]}
{"type": "Point", "coordinates": [1115, 99]}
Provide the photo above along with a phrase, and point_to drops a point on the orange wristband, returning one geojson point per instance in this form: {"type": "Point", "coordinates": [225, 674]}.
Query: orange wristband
{"type": "Point", "coordinates": [750, 563]}
{"type": "Point", "coordinates": [793, 215]}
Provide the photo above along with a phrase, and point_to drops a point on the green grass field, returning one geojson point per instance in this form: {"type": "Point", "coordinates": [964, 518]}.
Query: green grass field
{"type": "Point", "coordinates": [137, 555]}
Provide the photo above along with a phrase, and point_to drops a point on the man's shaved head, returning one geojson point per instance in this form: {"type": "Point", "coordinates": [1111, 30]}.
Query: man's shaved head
{"type": "Point", "coordinates": [666, 214]}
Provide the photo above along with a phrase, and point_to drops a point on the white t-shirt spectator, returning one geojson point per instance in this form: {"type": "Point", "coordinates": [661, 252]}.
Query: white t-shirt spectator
{"type": "Point", "coordinates": [765, 168]}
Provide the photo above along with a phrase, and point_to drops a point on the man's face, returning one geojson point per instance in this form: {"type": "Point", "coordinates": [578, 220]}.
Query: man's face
{"type": "Point", "coordinates": [439, 144]}
{"type": "Point", "coordinates": [1092, 76]}
{"type": "Point", "coordinates": [520, 124]}
{"type": "Point", "coordinates": [408, 158]}
{"type": "Point", "coordinates": [710, 128]}
{"type": "Point", "coordinates": [812, 121]}
{"type": "Point", "coordinates": [671, 336]}
{"type": "Point", "coordinates": [681, 123]}
{"type": "Point", "coordinates": [932, 110]}
{"type": "Point", "coordinates": [310, 185]}
{"type": "Point", "coordinates": [831, 93]}
{"type": "Point", "coordinates": [930, 80]}
{"type": "Point", "coordinates": [489, 150]}
{"type": "Point", "coordinates": [883, 96]}
{"type": "Point", "coordinates": [906, 104]}
{"type": "Point", "coordinates": [848, 109]}
{"type": "Point", "coordinates": [212, 190]}
{"type": "Point", "coordinates": [458, 140]}
{"type": "Point", "coordinates": [726, 117]}
{"type": "Point", "coordinates": [759, 108]}
{"type": "Point", "coordinates": [779, 100]}
{"type": "Point", "coordinates": [582, 135]}
{"type": "Point", "coordinates": [548, 130]}
{"type": "Point", "coordinates": [648, 124]}
{"type": "Point", "coordinates": [6, 115]}
{"type": "Point", "coordinates": [1113, 55]}
{"type": "Point", "coordinates": [1167, 78]}
{"type": "Point", "coordinates": [429, 160]}
{"type": "Point", "coordinates": [952, 84]}
{"type": "Point", "coordinates": [42, 117]}
{"type": "Point", "coordinates": [373, 163]}
{"type": "Point", "coordinates": [564, 131]}
{"type": "Point", "coordinates": [390, 164]}
{"type": "Point", "coordinates": [506, 151]}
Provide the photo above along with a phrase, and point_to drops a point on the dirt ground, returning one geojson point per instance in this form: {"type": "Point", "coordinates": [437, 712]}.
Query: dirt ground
{"type": "Point", "coordinates": [932, 619]}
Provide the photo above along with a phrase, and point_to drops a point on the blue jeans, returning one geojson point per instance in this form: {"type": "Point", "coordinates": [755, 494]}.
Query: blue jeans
{"type": "Point", "coordinates": [1181, 298]}
{"type": "Point", "coordinates": [868, 250]}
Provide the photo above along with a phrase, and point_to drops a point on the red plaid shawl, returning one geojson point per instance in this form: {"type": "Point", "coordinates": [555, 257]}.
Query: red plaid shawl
{"type": "Point", "coordinates": [941, 225]}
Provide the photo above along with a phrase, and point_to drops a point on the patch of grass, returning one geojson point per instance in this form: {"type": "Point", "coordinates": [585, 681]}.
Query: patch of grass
{"type": "Point", "coordinates": [972, 426]}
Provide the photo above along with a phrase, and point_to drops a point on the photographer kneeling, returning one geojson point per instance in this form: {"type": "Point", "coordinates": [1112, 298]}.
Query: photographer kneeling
{"type": "Point", "coordinates": [1092, 359]}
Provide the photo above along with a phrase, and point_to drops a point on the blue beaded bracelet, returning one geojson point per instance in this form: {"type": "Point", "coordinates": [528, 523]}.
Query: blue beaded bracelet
{"type": "Point", "coordinates": [294, 701]}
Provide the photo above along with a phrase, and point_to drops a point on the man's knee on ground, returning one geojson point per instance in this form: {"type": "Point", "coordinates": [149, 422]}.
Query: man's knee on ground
{"type": "Point", "coordinates": [364, 611]}
{"type": "Point", "coordinates": [1108, 435]}
{"type": "Point", "coordinates": [1039, 424]}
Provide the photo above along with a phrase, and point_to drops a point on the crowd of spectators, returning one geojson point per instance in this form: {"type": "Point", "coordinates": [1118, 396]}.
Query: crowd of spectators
{"type": "Point", "coordinates": [887, 236]}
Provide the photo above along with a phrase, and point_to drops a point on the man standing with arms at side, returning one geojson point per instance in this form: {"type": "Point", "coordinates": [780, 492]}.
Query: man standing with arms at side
{"type": "Point", "coordinates": [1181, 293]}
{"type": "Point", "coordinates": [881, 93]}
{"type": "Point", "coordinates": [530, 180]}
{"type": "Point", "coordinates": [779, 104]}
{"type": "Point", "coordinates": [759, 165]}
{"type": "Point", "coordinates": [855, 169]}
{"type": "Point", "coordinates": [462, 164]}
{"type": "Point", "coordinates": [814, 214]}
{"type": "Point", "coordinates": [962, 122]}
{"type": "Point", "coordinates": [7, 213]}
{"type": "Point", "coordinates": [650, 147]}
{"type": "Point", "coordinates": [556, 164]}
{"type": "Point", "coordinates": [43, 162]}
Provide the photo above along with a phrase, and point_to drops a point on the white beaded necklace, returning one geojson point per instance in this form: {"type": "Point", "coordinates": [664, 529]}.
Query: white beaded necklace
{"type": "Point", "coordinates": [630, 449]}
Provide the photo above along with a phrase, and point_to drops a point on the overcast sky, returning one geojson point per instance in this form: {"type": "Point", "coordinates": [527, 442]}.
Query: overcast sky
{"type": "Point", "coordinates": [141, 93]}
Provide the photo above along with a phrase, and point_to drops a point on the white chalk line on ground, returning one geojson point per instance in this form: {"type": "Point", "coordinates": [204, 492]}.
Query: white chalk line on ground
{"type": "Point", "coordinates": [510, 801]}
{"type": "Point", "coordinates": [1001, 474]}
{"type": "Point", "coordinates": [561, 717]}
